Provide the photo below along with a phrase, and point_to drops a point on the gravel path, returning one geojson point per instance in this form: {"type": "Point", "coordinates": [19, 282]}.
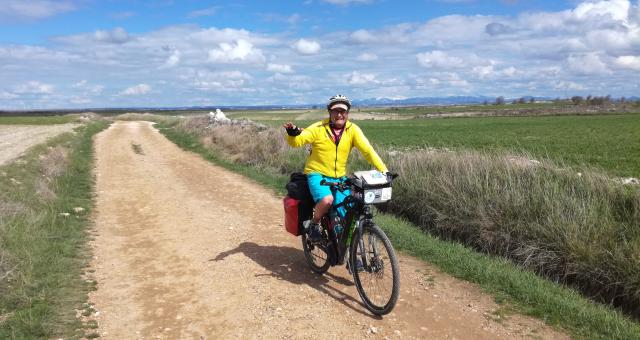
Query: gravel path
{"type": "Point", "coordinates": [187, 250]}
{"type": "Point", "coordinates": [15, 139]}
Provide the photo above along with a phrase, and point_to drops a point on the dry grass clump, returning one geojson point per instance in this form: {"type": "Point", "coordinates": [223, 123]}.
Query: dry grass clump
{"type": "Point", "coordinates": [54, 162]}
{"type": "Point", "coordinates": [7, 207]}
{"type": "Point", "coordinates": [86, 117]}
{"type": "Point", "coordinates": [584, 230]}
{"type": "Point", "coordinates": [247, 143]}
{"type": "Point", "coordinates": [7, 267]}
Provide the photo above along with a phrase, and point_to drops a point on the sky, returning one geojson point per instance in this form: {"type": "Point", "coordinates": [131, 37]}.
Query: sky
{"type": "Point", "coordinates": [165, 53]}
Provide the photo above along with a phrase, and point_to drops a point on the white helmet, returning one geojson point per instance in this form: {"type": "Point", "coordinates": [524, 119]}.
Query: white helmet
{"type": "Point", "coordinates": [338, 98]}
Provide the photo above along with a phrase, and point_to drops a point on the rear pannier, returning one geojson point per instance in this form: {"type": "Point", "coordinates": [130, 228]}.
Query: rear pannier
{"type": "Point", "coordinates": [298, 204]}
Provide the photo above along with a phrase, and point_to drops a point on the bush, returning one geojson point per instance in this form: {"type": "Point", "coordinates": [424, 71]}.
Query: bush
{"type": "Point", "coordinates": [584, 230]}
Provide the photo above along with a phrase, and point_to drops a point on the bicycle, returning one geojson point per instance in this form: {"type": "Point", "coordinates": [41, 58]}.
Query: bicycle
{"type": "Point", "coordinates": [370, 255]}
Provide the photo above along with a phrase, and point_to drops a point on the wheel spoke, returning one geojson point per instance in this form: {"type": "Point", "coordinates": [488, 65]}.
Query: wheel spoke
{"type": "Point", "coordinates": [377, 284]}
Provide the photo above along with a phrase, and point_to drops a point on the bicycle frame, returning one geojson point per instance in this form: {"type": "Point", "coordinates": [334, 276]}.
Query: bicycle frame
{"type": "Point", "coordinates": [358, 214]}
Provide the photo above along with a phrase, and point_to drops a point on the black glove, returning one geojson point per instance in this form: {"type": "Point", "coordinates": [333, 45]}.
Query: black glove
{"type": "Point", "coordinates": [293, 130]}
{"type": "Point", "coordinates": [390, 176]}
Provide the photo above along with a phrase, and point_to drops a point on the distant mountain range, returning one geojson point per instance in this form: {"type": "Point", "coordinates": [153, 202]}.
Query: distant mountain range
{"type": "Point", "coordinates": [424, 101]}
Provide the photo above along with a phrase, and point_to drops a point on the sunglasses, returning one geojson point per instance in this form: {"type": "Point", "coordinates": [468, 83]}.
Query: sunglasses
{"type": "Point", "coordinates": [340, 112]}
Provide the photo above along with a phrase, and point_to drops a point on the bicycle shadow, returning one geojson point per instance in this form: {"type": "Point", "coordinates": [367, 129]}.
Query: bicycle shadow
{"type": "Point", "coordinates": [287, 263]}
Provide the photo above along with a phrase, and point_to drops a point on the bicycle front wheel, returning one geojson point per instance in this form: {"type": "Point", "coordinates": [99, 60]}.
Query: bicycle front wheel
{"type": "Point", "coordinates": [375, 269]}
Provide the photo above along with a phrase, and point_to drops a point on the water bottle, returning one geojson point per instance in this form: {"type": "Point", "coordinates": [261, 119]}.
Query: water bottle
{"type": "Point", "coordinates": [337, 225]}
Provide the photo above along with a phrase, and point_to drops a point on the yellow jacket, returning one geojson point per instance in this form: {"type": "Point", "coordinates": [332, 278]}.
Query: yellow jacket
{"type": "Point", "coordinates": [328, 158]}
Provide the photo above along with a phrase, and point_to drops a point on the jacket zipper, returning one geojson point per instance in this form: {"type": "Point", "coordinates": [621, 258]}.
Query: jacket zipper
{"type": "Point", "coordinates": [335, 161]}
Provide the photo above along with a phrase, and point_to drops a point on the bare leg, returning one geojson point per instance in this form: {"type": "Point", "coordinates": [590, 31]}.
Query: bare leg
{"type": "Point", "coordinates": [322, 207]}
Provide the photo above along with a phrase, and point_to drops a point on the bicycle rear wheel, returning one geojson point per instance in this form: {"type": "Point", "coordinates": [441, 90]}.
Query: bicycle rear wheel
{"type": "Point", "coordinates": [316, 254]}
{"type": "Point", "coordinates": [377, 277]}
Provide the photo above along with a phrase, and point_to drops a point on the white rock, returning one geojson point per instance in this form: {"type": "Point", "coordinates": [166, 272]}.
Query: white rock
{"type": "Point", "coordinates": [373, 330]}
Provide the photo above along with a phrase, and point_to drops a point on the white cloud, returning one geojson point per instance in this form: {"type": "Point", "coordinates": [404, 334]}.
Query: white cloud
{"type": "Point", "coordinates": [79, 84]}
{"type": "Point", "coordinates": [593, 46]}
{"type": "Point", "coordinates": [83, 85]}
{"type": "Point", "coordinates": [568, 85]}
{"type": "Point", "coordinates": [11, 10]}
{"type": "Point", "coordinates": [629, 61]}
{"type": "Point", "coordinates": [240, 52]}
{"type": "Point", "coordinates": [367, 57]}
{"type": "Point", "coordinates": [587, 64]}
{"type": "Point", "coordinates": [279, 68]}
{"type": "Point", "coordinates": [362, 36]}
{"type": "Point", "coordinates": [357, 78]}
{"type": "Point", "coordinates": [34, 87]}
{"type": "Point", "coordinates": [391, 35]}
{"type": "Point", "coordinates": [116, 36]}
{"type": "Point", "coordinates": [439, 59]}
{"type": "Point", "coordinates": [173, 59]}
{"type": "Point", "coordinates": [307, 47]}
{"type": "Point", "coordinates": [205, 80]}
{"type": "Point", "coordinates": [8, 95]}
{"type": "Point", "coordinates": [136, 90]}
{"type": "Point", "coordinates": [616, 10]}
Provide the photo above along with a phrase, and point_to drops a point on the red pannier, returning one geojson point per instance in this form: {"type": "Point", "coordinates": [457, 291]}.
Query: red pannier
{"type": "Point", "coordinates": [298, 204]}
{"type": "Point", "coordinates": [291, 221]}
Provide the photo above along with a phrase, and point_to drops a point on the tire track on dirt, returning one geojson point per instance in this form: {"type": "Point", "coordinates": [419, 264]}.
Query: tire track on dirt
{"type": "Point", "coordinates": [186, 249]}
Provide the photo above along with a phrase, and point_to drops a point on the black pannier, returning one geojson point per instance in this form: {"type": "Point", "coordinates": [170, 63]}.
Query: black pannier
{"type": "Point", "coordinates": [298, 188]}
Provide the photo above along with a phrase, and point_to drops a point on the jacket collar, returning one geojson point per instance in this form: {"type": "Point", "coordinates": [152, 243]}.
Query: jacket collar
{"type": "Point", "coordinates": [325, 123]}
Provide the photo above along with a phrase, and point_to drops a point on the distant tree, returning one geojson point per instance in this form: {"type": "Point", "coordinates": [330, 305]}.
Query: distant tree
{"type": "Point", "coordinates": [314, 107]}
{"type": "Point", "coordinates": [499, 100]}
{"type": "Point", "coordinates": [577, 100]}
{"type": "Point", "coordinates": [589, 99]}
{"type": "Point", "coordinates": [485, 103]}
{"type": "Point", "coordinates": [515, 101]}
{"type": "Point", "coordinates": [622, 99]}
{"type": "Point", "coordinates": [521, 100]}
{"type": "Point", "coordinates": [531, 100]}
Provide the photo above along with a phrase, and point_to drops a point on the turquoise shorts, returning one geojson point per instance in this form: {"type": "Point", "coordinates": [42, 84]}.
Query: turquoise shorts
{"type": "Point", "coordinates": [320, 191]}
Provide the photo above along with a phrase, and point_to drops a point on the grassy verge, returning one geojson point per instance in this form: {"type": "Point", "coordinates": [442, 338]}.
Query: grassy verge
{"type": "Point", "coordinates": [45, 203]}
{"type": "Point", "coordinates": [522, 290]}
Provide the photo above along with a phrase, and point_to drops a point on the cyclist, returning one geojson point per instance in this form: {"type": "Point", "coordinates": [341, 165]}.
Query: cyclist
{"type": "Point", "coordinates": [331, 142]}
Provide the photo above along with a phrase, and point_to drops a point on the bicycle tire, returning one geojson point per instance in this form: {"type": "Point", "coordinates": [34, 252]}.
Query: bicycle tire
{"type": "Point", "coordinates": [375, 268]}
{"type": "Point", "coordinates": [317, 263]}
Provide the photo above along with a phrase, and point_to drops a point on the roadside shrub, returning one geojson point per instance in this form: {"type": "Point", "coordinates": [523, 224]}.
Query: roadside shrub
{"type": "Point", "coordinates": [249, 144]}
{"type": "Point", "coordinates": [583, 230]}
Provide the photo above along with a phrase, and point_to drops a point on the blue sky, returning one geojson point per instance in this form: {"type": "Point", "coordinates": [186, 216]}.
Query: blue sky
{"type": "Point", "coordinates": [111, 53]}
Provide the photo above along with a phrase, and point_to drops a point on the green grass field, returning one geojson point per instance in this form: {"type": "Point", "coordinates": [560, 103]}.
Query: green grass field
{"type": "Point", "coordinates": [34, 120]}
{"type": "Point", "coordinates": [609, 142]}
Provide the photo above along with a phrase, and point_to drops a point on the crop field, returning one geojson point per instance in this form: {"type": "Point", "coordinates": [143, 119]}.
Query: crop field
{"type": "Point", "coordinates": [609, 142]}
{"type": "Point", "coordinates": [35, 120]}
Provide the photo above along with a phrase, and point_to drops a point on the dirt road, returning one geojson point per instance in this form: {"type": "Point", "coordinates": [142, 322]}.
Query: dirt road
{"type": "Point", "coordinates": [188, 250]}
{"type": "Point", "coordinates": [15, 139]}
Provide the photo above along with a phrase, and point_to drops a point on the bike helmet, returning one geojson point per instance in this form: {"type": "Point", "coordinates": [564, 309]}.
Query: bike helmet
{"type": "Point", "coordinates": [338, 98]}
